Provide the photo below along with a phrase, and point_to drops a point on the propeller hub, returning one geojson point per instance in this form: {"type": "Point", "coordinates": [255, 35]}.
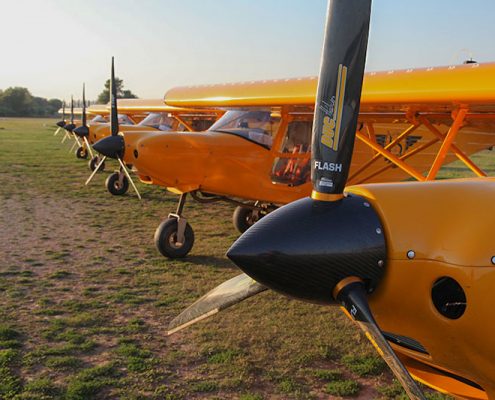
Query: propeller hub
{"type": "Point", "coordinates": [111, 146]}
{"type": "Point", "coordinates": [82, 131]}
{"type": "Point", "coordinates": [61, 124]}
{"type": "Point", "coordinates": [306, 248]}
{"type": "Point", "coordinates": [70, 127]}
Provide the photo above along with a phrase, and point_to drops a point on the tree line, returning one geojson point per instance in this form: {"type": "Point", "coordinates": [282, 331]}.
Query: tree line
{"type": "Point", "coordinates": [19, 102]}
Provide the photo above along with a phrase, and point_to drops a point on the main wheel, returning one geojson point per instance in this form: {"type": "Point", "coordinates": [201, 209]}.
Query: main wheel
{"type": "Point", "coordinates": [114, 186]}
{"type": "Point", "coordinates": [81, 152]}
{"type": "Point", "coordinates": [166, 239]}
{"type": "Point", "coordinates": [244, 218]}
{"type": "Point", "coordinates": [94, 162]}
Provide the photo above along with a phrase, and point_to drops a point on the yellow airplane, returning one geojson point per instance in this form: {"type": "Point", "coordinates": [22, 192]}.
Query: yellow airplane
{"type": "Point", "coordinates": [412, 263]}
{"type": "Point", "coordinates": [152, 114]}
{"type": "Point", "coordinates": [71, 126]}
{"type": "Point", "coordinates": [83, 133]}
{"type": "Point", "coordinates": [160, 118]}
{"type": "Point", "coordinates": [260, 150]}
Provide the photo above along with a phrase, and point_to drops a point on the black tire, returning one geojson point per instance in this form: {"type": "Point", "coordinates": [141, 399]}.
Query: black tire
{"type": "Point", "coordinates": [243, 218]}
{"type": "Point", "coordinates": [94, 162]}
{"type": "Point", "coordinates": [166, 236]}
{"type": "Point", "coordinates": [82, 153]}
{"type": "Point", "coordinates": [113, 185]}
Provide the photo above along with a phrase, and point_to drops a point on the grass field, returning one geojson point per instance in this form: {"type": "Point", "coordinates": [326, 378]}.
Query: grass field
{"type": "Point", "coordinates": [86, 298]}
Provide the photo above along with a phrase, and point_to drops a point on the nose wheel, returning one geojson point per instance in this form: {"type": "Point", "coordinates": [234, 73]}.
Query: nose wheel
{"type": "Point", "coordinates": [174, 237]}
{"type": "Point", "coordinates": [81, 153]}
{"type": "Point", "coordinates": [243, 218]}
{"type": "Point", "coordinates": [169, 239]}
{"type": "Point", "coordinates": [117, 184]}
{"type": "Point", "coordinates": [93, 163]}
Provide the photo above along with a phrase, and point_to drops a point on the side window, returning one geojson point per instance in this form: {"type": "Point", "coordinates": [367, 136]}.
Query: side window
{"type": "Point", "coordinates": [292, 167]}
{"type": "Point", "coordinates": [201, 124]}
{"type": "Point", "coordinates": [167, 123]}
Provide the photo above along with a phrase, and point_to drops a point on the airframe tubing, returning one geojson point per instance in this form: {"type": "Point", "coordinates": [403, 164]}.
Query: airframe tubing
{"type": "Point", "coordinates": [458, 152]}
{"type": "Point", "coordinates": [405, 133]}
{"type": "Point", "coordinates": [444, 149]}
{"type": "Point", "coordinates": [402, 158]}
{"type": "Point", "coordinates": [389, 156]}
{"type": "Point", "coordinates": [188, 127]}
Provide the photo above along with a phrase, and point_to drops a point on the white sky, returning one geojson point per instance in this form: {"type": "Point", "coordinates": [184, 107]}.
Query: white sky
{"type": "Point", "coordinates": [52, 46]}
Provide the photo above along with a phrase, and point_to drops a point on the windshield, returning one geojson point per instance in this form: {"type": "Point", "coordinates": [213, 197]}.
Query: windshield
{"type": "Point", "coordinates": [125, 120]}
{"type": "Point", "coordinates": [257, 126]}
{"type": "Point", "coordinates": [161, 121]}
{"type": "Point", "coordinates": [98, 119]}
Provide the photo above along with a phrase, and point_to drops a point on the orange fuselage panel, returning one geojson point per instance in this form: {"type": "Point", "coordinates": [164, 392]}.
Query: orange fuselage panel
{"type": "Point", "coordinates": [449, 227]}
{"type": "Point", "coordinates": [213, 162]}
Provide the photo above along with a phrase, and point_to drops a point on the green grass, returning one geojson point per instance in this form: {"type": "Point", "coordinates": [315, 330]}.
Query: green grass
{"type": "Point", "coordinates": [364, 365]}
{"type": "Point", "coordinates": [344, 388]}
{"type": "Point", "coordinates": [86, 298]}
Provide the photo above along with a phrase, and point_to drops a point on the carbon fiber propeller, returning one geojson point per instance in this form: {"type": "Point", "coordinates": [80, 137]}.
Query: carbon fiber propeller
{"type": "Point", "coordinates": [70, 126]}
{"type": "Point", "coordinates": [83, 130]}
{"type": "Point", "coordinates": [113, 146]}
{"type": "Point", "coordinates": [327, 248]}
{"type": "Point", "coordinates": [61, 124]}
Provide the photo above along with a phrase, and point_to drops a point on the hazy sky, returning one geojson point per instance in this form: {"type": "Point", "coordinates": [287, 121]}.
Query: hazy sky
{"type": "Point", "coordinates": [52, 46]}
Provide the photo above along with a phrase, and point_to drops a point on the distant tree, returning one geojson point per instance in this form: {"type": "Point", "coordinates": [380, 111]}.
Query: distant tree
{"type": "Point", "coordinates": [39, 107]}
{"type": "Point", "coordinates": [54, 105]}
{"type": "Point", "coordinates": [16, 101]}
{"type": "Point", "coordinates": [104, 97]}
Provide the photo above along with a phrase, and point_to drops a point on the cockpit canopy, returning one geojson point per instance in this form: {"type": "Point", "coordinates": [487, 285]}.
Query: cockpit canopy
{"type": "Point", "coordinates": [98, 119]}
{"type": "Point", "coordinates": [125, 120]}
{"type": "Point", "coordinates": [256, 126]}
{"type": "Point", "coordinates": [161, 121]}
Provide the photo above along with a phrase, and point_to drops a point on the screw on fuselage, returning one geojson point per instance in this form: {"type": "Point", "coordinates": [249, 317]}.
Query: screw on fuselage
{"type": "Point", "coordinates": [493, 260]}
{"type": "Point", "coordinates": [378, 230]}
{"type": "Point", "coordinates": [411, 254]}
{"type": "Point", "coordinates": [381, 263]}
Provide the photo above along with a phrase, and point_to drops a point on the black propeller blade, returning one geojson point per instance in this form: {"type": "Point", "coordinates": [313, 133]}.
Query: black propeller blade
{"type": "Point", "coordinates": [112, 146]}
{"type": "Point", "coordinates": [61, 123]}
{"type": "Point", "coordinates": [83, 130]}
{"type": "Point", "coordinates": [70, 127]}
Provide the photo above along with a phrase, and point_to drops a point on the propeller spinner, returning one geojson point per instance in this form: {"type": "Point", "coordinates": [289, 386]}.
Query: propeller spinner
{"type": "Point", "coordinates": [327, 248]}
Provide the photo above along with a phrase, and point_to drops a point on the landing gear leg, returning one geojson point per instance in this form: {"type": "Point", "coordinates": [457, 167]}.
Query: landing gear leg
{"type": "Point", "coordinates": [93, 163]}
{"type": "Point", "coordinates": [174, 237]}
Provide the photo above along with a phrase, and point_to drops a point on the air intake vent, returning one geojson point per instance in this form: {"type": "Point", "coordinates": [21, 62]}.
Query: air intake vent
{"type": "Point", "coordinates": [405, 341]}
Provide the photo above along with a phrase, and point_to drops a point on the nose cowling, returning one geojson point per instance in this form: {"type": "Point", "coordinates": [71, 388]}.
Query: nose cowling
{"type": "Point", "coordinates": [82, 131]}
{"type": "Point", "coordinates": [70, 127]}
{"type": "Point", "coordinates": [306, 248]}
{"type": "Point", "coordinates": [110, 146]}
